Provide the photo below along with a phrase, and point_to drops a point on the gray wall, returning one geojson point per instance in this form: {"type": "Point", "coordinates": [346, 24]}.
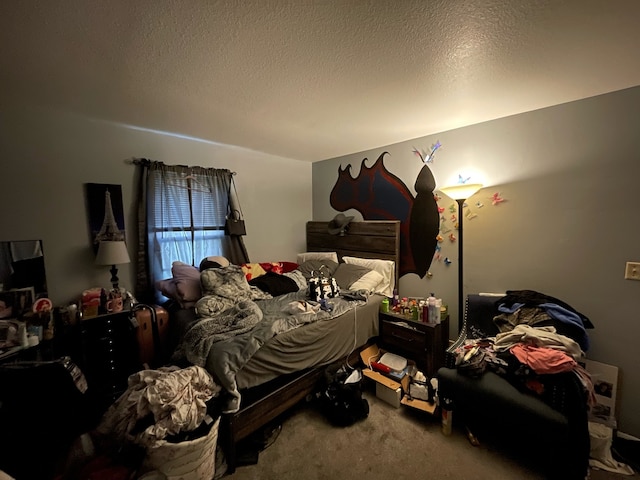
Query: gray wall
{"type": "Point", "coordinates": [569, 175]}
{"type": "Point", "coordinates": [47, 157]}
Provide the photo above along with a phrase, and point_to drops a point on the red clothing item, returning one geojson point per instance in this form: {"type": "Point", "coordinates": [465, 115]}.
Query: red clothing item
{"type": "Point", "coordinates": [543, 359]}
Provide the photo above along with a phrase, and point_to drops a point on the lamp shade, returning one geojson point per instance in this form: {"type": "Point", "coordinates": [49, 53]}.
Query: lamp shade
{"type": "Point", "coordinates": [461, 191]}
{"type": "Point", "coordinates": [112, 253]}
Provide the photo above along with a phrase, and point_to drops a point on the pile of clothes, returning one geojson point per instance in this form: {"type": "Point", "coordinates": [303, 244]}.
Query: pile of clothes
{"type": "Point", "coordinates": [161, 423]}
{"type": "Point", "coordinates": [538, 335]}
{"type": "Point", "coordinates": [159, 404]}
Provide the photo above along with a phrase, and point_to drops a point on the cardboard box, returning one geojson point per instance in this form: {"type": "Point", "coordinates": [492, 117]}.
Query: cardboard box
{"type": "Point", "coordinates": [389, 390]}
{"type": "Point", "coordinates": [392, 397]}
{"type": "Point", "coordinates": [419, 404]}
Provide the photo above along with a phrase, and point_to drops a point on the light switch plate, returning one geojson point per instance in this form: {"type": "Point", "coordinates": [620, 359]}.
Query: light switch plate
{"type": "Point", "coordinates": [632, 271]}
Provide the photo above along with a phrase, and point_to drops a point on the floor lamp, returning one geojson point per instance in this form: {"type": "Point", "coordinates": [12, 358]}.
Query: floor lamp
{"type": "Point", "coordinates": [460, 193]}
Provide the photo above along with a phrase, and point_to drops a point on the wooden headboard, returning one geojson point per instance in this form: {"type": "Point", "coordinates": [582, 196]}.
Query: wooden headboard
{"type": "Point", "coordinates": [366, 239]}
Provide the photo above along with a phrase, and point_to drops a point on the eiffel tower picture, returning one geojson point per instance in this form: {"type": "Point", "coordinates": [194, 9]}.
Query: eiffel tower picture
{"type": "Point", "coordinates": [109, 229]}
{"type": "Point", "coordinates": [106, 215]}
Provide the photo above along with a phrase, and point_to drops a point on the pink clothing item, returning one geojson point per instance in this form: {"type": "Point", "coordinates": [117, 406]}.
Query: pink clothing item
{"type": "Point", "coordinates": [543, 360]}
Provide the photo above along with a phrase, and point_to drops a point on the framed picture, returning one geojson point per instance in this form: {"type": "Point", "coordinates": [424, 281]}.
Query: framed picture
{"type": "Point", "coordinates": [605, 384]}
{"type": "Point", "coordinates": [106, 213]}
{"type": "Point", "coordinates": [16, 302]}
{"type": "Point", "coordinates": [11, 332]}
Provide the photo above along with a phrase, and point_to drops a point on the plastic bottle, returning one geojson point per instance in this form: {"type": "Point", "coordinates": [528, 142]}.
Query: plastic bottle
{"type": "Point", "coordinates": [447, 416]}
{"type": "Point", "coordinates": [384, 305]}
{"type": "Point", "coordinates": [431, 303]}
{"type": "Point", "coordinates": [396, 298]}
{"type": "Point", "coordinates": [415, 315]}
{"type": "Point", "coordinates": [438, 310]}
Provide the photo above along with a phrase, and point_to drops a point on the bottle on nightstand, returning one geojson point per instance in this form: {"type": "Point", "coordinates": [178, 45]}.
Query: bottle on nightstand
{"type": "Point", "coordinates": [384, 305]}
{"type": "Point", "coordinates": [431, 310]}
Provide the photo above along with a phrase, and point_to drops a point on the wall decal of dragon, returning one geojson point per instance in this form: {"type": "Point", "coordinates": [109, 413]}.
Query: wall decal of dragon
{"type": "Point", "coordinates": [380, 195]}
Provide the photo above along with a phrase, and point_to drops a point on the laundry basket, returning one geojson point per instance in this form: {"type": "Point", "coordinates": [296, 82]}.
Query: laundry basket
{"type": "Point", "coordinates": [188, 460]}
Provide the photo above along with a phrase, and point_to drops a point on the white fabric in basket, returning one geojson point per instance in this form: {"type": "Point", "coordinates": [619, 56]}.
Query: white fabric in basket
{"type": "Point", "coordinates": [189, 460]}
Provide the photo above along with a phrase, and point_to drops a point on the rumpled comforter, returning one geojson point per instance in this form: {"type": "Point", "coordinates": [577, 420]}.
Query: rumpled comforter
{"type": "Point", "coordinates": [227, 357]}
{"type": "Point", "coordinates": [233, 324]}
{"type": "Point", "coordinates": [234, 321]}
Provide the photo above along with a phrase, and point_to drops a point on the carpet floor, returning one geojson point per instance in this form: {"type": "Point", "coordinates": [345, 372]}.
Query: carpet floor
{"type": "Point", "coordinates": [392, 443]}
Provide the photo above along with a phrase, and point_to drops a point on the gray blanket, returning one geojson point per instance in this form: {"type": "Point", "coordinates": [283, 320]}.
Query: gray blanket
{"type": "Point", "coordinates": [234, 321]}
{"type": "Point", "coordinates": [239, 318]}
{"type": "Point", "coordinates": [227, 357]}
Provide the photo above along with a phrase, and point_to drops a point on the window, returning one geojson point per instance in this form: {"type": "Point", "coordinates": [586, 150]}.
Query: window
{"type": "Point", "coordinates": [181, 216]}
{"type": "Point", "coordinates": [186, 215]}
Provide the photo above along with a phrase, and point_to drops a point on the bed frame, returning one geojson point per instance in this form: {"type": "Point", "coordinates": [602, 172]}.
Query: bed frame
{"type": "Point", "coordinates": [262, 404]}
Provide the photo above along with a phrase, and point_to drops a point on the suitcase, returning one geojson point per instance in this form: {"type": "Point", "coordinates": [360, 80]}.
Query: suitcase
{"type": "Point", "coordinates": [152, 334]}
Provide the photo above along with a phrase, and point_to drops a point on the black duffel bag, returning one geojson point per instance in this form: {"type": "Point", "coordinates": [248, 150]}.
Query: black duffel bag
{"type": "Point", "coordinates": [341, 399]}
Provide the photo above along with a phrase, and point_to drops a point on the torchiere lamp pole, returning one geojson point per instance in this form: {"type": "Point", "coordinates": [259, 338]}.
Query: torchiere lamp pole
{"type": "Point", "coordinates": [460, 193]}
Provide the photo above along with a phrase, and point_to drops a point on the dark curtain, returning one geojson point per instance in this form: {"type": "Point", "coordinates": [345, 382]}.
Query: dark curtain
{"type": "Point", "coordinates": [180, 217]}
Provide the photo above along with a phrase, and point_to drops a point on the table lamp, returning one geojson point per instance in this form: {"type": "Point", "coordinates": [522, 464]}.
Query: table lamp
{"type": "Point", "coordinates": [112, 253]}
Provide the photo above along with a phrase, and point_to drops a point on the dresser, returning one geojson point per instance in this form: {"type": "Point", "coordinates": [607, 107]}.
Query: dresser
{"type": "Point", "coordinates": [421, 342]}
{"type": "Point", "coordinates": [109, 354]}
{"type": "Point", "coordinates": [43, 409]}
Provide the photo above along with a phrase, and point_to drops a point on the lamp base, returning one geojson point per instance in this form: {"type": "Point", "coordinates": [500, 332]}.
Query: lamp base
{"type": "Point", "coordinates": [114, 278]}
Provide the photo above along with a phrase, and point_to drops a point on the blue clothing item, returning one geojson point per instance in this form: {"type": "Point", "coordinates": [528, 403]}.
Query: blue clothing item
{"type": "Point", "coordinates": [570, 318]}
{"type": "Point", "coordinates": [505, 309]}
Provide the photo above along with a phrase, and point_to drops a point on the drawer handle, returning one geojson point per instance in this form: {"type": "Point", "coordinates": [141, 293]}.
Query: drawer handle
{"type": "Point", "coordinates": [405, 339]}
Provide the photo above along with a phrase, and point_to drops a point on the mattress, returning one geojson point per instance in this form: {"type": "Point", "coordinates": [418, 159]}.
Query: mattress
{"type": "Point", "coordinates": [311, 345]}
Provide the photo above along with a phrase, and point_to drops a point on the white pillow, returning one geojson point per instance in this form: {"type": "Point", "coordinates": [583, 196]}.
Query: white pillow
{"type": "Point", "coordinates": [385, 267]}
{"type": "Point", "coordinates": [370, 281]}
{"type": "Point", "coordinates": [303, 257]}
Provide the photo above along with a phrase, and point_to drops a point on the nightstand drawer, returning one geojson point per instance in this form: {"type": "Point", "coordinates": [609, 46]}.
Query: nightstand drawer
{"type": "Point", "coordinates": [404, 338]}
{"type": "Point", "coordinates": [421, 342]}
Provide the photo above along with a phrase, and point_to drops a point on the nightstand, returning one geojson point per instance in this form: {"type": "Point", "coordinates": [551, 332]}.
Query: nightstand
{"type": "Point", "coordinates": [423, 343]}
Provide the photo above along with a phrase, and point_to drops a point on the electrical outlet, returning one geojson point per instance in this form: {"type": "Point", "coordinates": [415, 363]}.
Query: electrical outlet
{"type": "Point", "coordinates": [632, 271]}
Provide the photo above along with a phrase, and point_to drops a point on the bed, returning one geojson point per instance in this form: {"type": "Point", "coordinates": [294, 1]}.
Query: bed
{"type": "Point", "coordinates": [272, 372]}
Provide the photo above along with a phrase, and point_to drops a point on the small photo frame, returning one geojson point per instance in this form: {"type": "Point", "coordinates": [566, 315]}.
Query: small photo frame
{"type": "Point", "coordinates": [17, 302]}
{"type": "Point", "coordinates": [11, 332]}
{"type": "Point", "coordinates": [605, 384]}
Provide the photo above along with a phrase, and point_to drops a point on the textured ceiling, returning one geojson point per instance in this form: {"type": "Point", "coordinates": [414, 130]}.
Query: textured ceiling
{"type": "Point", "coordinates": [313, 79]}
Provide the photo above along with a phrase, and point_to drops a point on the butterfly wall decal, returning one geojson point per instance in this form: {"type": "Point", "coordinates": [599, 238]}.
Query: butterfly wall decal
{"type": "Point", "coordinates": [496, 198]}
{"type": "Point", "coordinates": [463, 180]}
{"type": "Point", "coordinates": [427, 157]}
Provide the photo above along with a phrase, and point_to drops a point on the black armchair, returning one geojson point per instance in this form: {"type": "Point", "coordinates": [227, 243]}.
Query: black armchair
{"type": "Point", "coordinates": [551, 429]}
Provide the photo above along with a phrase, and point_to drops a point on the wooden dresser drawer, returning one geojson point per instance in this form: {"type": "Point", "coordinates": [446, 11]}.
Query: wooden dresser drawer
{"type": "Point", "coordinates": [421, 342]}
{"type": "Point", "coordinates": [407, 339]}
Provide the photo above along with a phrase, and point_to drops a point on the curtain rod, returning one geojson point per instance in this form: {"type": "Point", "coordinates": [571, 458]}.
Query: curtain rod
{"type": "Point", "coordinates": [142, 161]}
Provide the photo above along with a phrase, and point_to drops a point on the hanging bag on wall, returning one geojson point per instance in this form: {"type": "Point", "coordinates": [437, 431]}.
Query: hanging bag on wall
{"type": "Point", "coordinates": [234, 224]}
